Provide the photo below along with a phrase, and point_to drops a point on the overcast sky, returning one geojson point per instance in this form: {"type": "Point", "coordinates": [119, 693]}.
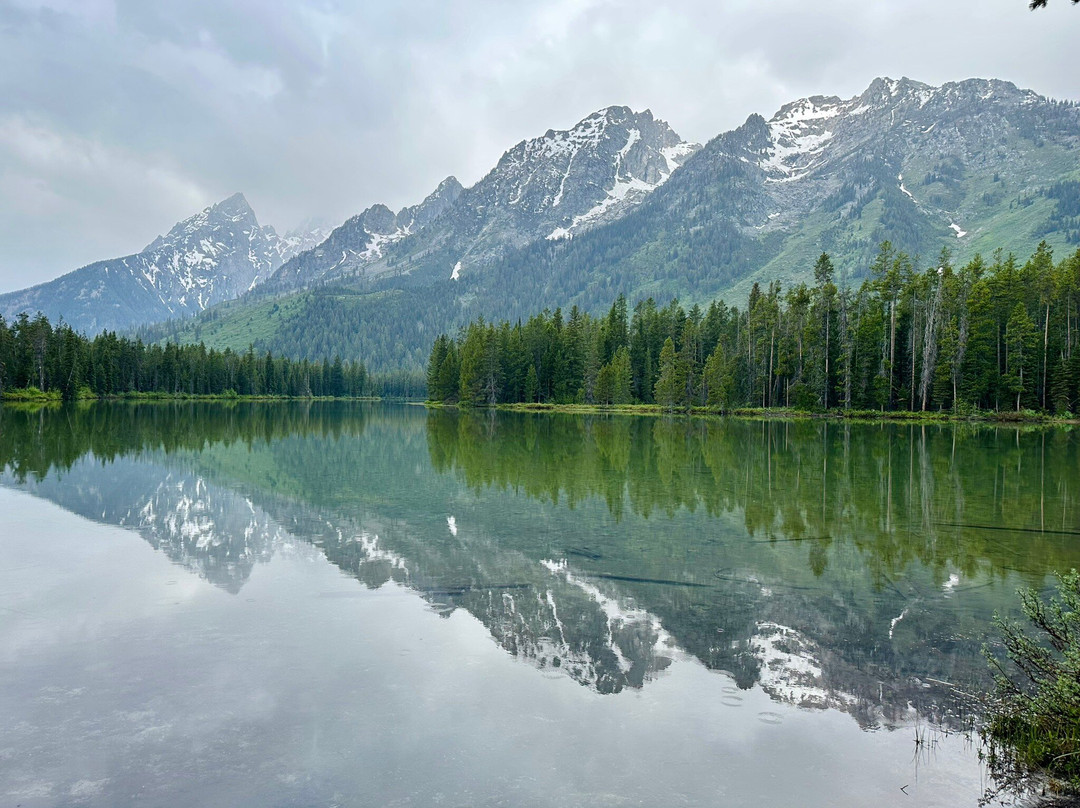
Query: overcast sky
{"type": "Point", "coordinates": [120, 117]}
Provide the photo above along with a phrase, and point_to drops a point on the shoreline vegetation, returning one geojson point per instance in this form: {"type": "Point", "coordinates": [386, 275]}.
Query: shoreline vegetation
{"type": "Point", "coordinates": [907, 416]}
{"type": "Point", "coordinates": [34, 396]}
{"type": "Point", "coordinates": [1033, 726]}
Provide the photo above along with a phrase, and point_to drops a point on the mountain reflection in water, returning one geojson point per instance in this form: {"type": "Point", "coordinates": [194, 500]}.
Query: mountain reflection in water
{"type": "Point", "coordinates": [836, 565]}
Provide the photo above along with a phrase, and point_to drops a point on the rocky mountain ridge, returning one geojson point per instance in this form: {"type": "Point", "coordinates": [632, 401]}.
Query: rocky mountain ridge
{"type": "Point", "coordinates": [551, 187]}
{"type": "Point", "coordinates": [969, 165]}
{"type": "Point", "coordinates": [363, 239]}
{"type": "Point", "coordinates": [974, 166]}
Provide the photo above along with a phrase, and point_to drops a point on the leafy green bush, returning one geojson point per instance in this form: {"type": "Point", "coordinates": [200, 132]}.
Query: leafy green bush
{"type": "Point", "coordinates": [1033, 729]}
{"type": "Point", "coordinates": [31, 394]}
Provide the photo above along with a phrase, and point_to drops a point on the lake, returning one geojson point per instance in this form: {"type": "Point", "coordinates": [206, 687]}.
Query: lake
{"type": "Point", "coordinates": [336, 604]}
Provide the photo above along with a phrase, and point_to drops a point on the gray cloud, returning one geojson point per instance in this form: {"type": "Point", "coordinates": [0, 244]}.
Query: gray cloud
{"type": "Point", "coordinates": [119, 117]}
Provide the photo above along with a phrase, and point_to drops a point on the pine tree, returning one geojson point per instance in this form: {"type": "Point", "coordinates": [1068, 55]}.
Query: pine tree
{"type": "Point", "coordinates": [621, 376]}
{"type": "Point", "coordinates": [531, 384]}
{"type": "Point", "coordinates": [449, 378]}
{"type": "Point", "coordinates": [669, 387]}
{"type": "Point", "coordinates": [1019, 339]}
{"type": "Point", "coordinates": [719, 378]}
{"type": "Point", "coordinates": [438, 355]}
{"type": "Point", "coordinates": [823, 273]}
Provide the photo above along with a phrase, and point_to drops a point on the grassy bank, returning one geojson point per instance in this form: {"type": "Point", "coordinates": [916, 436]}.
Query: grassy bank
{"type": "Point", "coordinates": [28, 395]}
{"type": "Point", "coordinates": [1000, 417]}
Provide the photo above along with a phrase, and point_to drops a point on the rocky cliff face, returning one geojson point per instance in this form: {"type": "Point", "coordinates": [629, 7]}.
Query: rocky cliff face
{"type": "Point", "coordinates": [561, 184]}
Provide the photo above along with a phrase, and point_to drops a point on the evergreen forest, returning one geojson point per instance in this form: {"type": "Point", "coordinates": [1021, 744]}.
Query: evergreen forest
{"type": "Point", "coordinates": [992, 334]}
{"type": "Point", "coordinates": [41, 359]}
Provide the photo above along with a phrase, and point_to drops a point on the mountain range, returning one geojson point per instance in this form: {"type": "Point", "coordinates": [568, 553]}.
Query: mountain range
{"type": "Point", "coordinates": [548, 188]}
{"type": "Point", "coordinates": [617, 203]}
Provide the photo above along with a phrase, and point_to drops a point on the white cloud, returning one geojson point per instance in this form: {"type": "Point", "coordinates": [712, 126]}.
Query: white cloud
{"type": "Point", "coordinates": [205, 69]}
{"type": "Point", "coordinates": [76, 200]}
{"type": "Point", "coordinates": [95, 11]}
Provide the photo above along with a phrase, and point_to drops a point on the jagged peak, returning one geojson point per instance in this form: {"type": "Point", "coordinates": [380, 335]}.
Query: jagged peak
{"type": "Point", "coordinates": [620, 114]}
{"type": "Point", "coordinates": [434, 205]}
{"type": "Point", "coordinates": [754, 133]}
{"type": "Point", "coordinates": [617, 113]}
{"type": "Point", "coordinates": [814, 106]}
{"type": "Point", "coordinates": [236, 201]}
{"type": "Point", "coordinates": [882, 91]}
{"type": "Point", "coordinates": [990, 88]}
{"type": "Point", "coordinates": [376, 215]}
{"type": "Point", "coordinates": [449, 184]}
{"type": "Point", "coordinates": [449, 189]}
{"type": "Point", "coordinates": [884, 85]}
{"type": "Point", "coordinates": [886, 92]}
{"type": "Point", "coordinates": [234, 208]}
{"type": "Point", "coordinates": [588, 131]}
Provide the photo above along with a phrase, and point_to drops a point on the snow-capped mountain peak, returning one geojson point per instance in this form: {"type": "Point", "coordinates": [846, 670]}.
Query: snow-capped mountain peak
{"type": "Point", "coordinates": [805, 134]}
{"type": "Point", "coordinates": [232, 211]}
{"type": "Point", "coordinates": [601, 158]}
{"type": "Point", "coordinates": [215, 255]}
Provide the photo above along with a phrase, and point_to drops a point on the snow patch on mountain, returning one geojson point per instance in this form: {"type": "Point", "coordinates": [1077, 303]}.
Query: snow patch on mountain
{"type": "Point", "coordinates": [797, 136]}
{"type": "Point", "coordinates": [626, 188]}
{"type": "Point", "coordinates": [675, 155]}
{"type": "Point", "coordinates": [378, 241]}
{"type": "Point", "coordinates": [904, 190]}
{"type": "Point", "coordinates": [587, 132]}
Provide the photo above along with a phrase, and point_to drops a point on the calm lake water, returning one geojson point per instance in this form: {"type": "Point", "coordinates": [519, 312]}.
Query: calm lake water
{"type": "Point", "coordinates": [351, 605]}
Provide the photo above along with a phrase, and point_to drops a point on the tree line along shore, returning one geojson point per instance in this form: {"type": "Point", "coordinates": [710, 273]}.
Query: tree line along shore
{"type": "Point", "coordinates": [991, 336]}
{"type": "Point", "coordinates": [40, 361]}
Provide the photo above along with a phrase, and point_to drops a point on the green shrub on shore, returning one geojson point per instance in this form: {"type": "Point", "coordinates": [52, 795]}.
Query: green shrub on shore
{"type": "Point", "coordinates": [30, 394]}
{"type": "Point", "coordinates": [1033, 729]}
